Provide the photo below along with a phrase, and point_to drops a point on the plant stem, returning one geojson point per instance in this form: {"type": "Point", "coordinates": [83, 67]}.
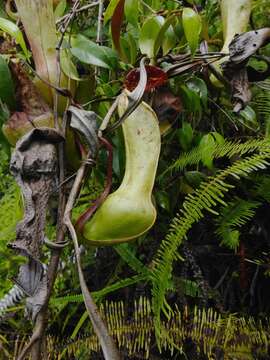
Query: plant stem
{"type": "Point", "coordinates": [109, 349]}
{"type": "Point", "coordinates": [100, 20]}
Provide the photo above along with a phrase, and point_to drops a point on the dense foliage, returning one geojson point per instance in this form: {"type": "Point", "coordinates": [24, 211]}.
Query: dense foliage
{"type": "Point", "coordinates": [204, 265]}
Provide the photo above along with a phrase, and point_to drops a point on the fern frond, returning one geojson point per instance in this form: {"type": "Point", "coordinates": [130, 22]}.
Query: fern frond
{"type": "Point", "coordinates": [236, 337]}
{"type": "Point", "coordinates": [128, 256]}
{"type": "Point", "coordinates": [98, 295]}
{"type": "Point", "coordinates": [233, 336]}
{"type": "Point", "coordinates": [228, 149]}
{"type": "Point", "coordinates": [261, 103]}
{"type": "Point", "coordinates": [233, 216]}
{"type": "Point", "coordinates": [206, 197]}
{"type": "Point", "coordinates": [263, 187]}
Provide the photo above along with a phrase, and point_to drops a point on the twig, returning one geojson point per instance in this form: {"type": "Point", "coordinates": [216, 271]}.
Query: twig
{"type": "Point", "coordinates": [224, 112]}
{"type": "Point", "coordinates": [148, 7]}
{"type": "Point", "coordinates": [83, 8]}
{"type": "Point", "coordinates": [100, 20]}
{"type": "Point", "coordinates": [89, 212]}
{"type": "Point", "coordinates": [59, 90]}
{"type": "Point", "coordinates": [99, 99]}
{"type": "Point", "coordinates": [108, 116]}
{"type": "Point", "coordinates": [108, 347]}
{"type": "Point", "coordinates": [99, 30]}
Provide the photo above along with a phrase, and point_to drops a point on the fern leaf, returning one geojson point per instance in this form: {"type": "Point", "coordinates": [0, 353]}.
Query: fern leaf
{"type": "Point", "coordinates": [235, 337]}
{"type": "Point", "coordinates": [204, 198]}
{"type": "Point", "coordinates": [98, 295]}
{"type": "Point", "coordinates": [233, 216]}
{"type": "Point", "coordinates": [124, 250]}
{"type": "Point", "coordinates": [263, 187]}
{"type": "Point", "coordinates": [228, 149]}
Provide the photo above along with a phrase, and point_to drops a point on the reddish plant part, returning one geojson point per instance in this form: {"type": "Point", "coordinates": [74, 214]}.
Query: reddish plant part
{"type": "Point", "coordinates": [117, 20]}
{"type": "Point", "coordinates": [156, 77]}
{"type": "Point", "coordinates": [90, 211]}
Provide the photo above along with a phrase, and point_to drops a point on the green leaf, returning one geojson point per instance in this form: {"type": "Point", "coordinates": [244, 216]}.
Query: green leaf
{"type": "Point", "coordinates": [169, 40]}
{"type": "Point", "coordinates": [60, 9]}
{"type": "Point", "coordinates": [163, 200]}
{"type": "Point", "coordinates": [149, 34]}
{"type": "Point", "coordinates": [156, 4]}
{"type": "Point", "coordinates": [231, 239]}
{"type": "Point", "coordinates": [67, 65]}
{"type": "Point", "coordinates": [249, 118]}
{"type": "Point", "coordinates": [89, 52]}
{"type": "Point", "coordinates": [185, 136]}
{"type": "Point", "coordinates": [110, 10]}
{"type": "Point", "coordinates": [207, 146]}
{"type": "Point", "coordinates": [7, 92]}
{"type": "Point", "coordinates": [133, 48]}
{"type": "Point", "coordinates": [194, 178]}
{"type": "Point", "coordinates": [166, 36]}
{"type": "Point", "coordinates": [192, 28]}
{"type": "Point", "coordinates": [191, 99]}
{"type": "Point", "coordinates": [132, 11]}
{"type": "Point", "coordinates": [13, 30]}
{"type": "Point", "coordinates": [199, 86]}
{"type": "Point", "coordinates": [127, 254]}
{"type": "Point", "coordinates": [110, 56]}
{"type": "Point", "coordinates": [219, 139]}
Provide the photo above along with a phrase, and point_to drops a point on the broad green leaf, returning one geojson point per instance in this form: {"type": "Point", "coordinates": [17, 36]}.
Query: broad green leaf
{"type": "Point", "coordinates": [192, 28]}
{"type": "Point", "coordinates": [110, 10]}
{"type": "Point", "coordinates": [199, 86]}
{"type": "Point", "coordinates": [133, 48]}
{"type": "Point", "coordinates": [125, 50]}
{"type": "Point", "coordinates": [191, 99]}
{"type": "Point", "coordinates": [156, 4]}
{"type": "Point", "coordinates": [169, 40]}
{"type": "Point", "coordinates": [7, 93]}
{"type": "Point", "coordinates": [13, 30]}
{"type": "Point", "coordinates": [132, 11]}
{"type": "Point", "coordinates": [219, 139]}
{"type": "Point", "coordinates": [185, 136]}
{"type": "Point", "coordinates": [89, 52]}
{"type": "Point", "coordinates": [130, 49]}
{"type": "Point", "coordinates": [60, 9]}
{"type": "Point", "coordinates": [149, 34]}
{"type": "Point", "coordinates": [110, 55]}
{"type": "Point", "coordinates": [249, 118]}
{"type": "Point", "coordinates": [165, 33]}
{"type": "Point", "coordinates": [207, 146]}
{"type": "Point", "coordinates": [67, 65]}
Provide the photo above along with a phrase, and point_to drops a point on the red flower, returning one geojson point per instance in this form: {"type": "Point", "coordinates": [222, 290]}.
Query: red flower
{"type": "Point", "coordinates": [156, 77]}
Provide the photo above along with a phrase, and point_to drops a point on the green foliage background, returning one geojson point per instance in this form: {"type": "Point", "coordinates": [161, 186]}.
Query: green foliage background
{"type": "Point", "coordinates": [210, 244]}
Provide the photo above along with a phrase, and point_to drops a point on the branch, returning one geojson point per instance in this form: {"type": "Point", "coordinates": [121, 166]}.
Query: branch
{"type": "Point", "coordinates": [100, 20]}
{"type": "Point", "coordinates": [83, 8]}
{"type": "Point", "coordinates": [108, 347]}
